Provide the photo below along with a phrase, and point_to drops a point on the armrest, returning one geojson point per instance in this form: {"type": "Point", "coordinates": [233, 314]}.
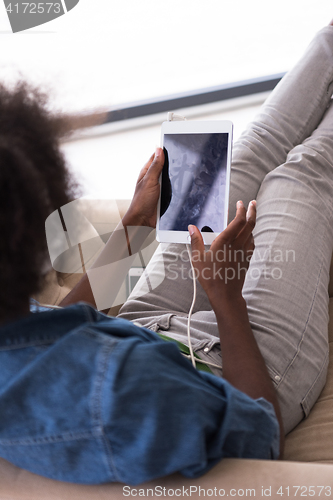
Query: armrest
{"type": "Point", "coordinates": [103, 216]}
{"type": "Point", "coordinates": [234, 476]}
{"type": "Point", "coordinates": [89, 224]}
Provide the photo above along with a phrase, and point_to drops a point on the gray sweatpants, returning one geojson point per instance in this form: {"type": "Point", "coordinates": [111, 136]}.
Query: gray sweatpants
{"type": "Point", "coordinates": [284, 160]}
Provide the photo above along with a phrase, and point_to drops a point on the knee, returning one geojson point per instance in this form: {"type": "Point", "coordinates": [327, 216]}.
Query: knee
{"type": "Point", "coordinates": [307, 166]}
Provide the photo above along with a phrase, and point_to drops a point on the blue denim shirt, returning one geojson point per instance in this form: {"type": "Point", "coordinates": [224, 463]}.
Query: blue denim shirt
{"type": "Point", "coordinates": [90, 399]}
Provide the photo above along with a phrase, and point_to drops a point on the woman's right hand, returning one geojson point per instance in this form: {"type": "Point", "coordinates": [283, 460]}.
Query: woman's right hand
{"type": "Point", "coordinates": [221, 270]}
{"type": "Point", "coordinates": [143, 208]}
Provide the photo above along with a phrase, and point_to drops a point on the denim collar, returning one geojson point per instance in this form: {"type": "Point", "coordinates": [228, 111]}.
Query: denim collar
{"type": "Point", "coordinates": [44, 327]}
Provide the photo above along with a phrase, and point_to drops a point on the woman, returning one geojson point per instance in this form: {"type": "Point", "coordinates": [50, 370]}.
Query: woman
{"type": "Point", "coordinates": [90, 399]}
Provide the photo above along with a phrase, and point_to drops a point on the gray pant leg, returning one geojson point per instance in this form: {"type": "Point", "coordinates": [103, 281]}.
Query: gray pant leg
{"type": "Point", "coordinates": [291, 113]}
{"type": "Point", "coordinates": [286, 287]}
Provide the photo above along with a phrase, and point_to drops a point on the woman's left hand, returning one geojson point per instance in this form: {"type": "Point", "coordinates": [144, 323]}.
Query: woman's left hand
{"type": "Point", "coordinates": [143, 208]}
{"type": "Point", "coordinates": [221, 270]}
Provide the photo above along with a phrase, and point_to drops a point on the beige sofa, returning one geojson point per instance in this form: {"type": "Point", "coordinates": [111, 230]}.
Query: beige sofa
{"type": "Point", "coordinates": [308, 459]}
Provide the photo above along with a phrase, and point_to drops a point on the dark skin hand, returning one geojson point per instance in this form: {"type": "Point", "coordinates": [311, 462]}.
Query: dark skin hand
{"type": "Point", "coordinates": [222, 277]}
{"type": "Point", "coordinates": [243, 365]}
{"type": "Point", "coordinates": [231, 251]}
{"type": "Point", "coordinates": [141, 212]}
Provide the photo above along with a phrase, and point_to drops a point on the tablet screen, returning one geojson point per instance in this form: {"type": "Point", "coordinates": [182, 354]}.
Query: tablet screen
{"type": "Point", "coordinates": [194, 181]}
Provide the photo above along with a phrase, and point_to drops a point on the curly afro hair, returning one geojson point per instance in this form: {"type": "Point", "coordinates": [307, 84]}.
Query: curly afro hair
{"type": "Point", "coordinates": [34, 181]}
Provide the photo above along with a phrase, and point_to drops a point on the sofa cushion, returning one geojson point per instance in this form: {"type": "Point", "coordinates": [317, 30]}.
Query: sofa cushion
{"type": "Point", "coordinates": [236, 478]}
{"type": "Point", "coordinates": [102, 216]}
{"type": "Point", "coordinates": [312, 439]}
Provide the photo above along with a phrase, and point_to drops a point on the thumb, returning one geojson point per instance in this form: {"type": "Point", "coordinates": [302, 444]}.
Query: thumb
{"type": "Point", "coordinates": [197, 242]}
{"type": "Point", "coordinates": [156, 165]}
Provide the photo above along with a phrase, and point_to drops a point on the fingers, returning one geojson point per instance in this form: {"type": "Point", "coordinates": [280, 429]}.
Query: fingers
{"type": "Point", "coordinates": [154, 165]}
{"type": "Point", "coordinates": [144, 169]}
{"type": "Point", "coordinates": [246, 232]}
{"type": "Point", "coordinates": [249, 248]}
{"type": "Point", "coordinates": [197, 243]}
{"type": "Point", "coordinates": [236, 225]}
{"type": "Point", "coordinates": [240, 228]}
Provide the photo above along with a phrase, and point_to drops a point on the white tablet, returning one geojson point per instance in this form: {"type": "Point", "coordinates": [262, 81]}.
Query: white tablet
{"type": "Point", "coordinates": [195, 179]}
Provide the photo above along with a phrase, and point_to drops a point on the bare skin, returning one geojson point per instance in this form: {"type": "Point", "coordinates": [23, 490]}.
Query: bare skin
{"type": "Point", "coordinates": [141, 212]}
{"type": "Point", "coordinates": [243, 365]}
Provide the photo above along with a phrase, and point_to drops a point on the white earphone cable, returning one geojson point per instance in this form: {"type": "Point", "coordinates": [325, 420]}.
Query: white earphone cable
{"type": "Point", "coordinates": [191, 308]}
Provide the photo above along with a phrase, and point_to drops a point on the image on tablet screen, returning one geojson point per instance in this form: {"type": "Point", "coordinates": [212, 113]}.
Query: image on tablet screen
{"type": "Point", "coordinates": [194, 181]}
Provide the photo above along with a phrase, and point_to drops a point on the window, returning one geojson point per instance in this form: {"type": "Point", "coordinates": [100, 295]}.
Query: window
{"type": "Point", "coordinates": [110, 52]}
{"type": "Point", "coordinates": [107, 53]}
